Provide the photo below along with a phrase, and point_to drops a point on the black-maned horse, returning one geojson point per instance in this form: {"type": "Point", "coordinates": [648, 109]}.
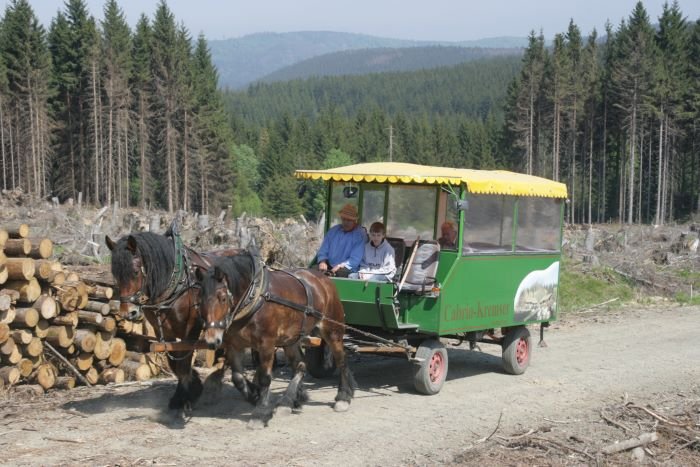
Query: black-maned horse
{"type": "Point", "coordinates": [154, 276]}
{"type": "Point", "coordinates": [245, 305]}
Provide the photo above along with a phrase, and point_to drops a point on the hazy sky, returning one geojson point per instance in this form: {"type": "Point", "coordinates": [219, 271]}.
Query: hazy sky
{"type": "Point", "coordinates": [448, 20]}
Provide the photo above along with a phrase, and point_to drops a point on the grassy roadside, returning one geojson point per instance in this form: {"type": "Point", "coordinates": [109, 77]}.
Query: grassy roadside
{"type": "Point", "coordinates": [582, 286]}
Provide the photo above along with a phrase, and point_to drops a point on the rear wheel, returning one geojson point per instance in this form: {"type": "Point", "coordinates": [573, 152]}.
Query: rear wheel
{"type": "Point", "coordinates": [431, 370]}
{"type": "Point", "coordinates": [517, 350]}
{"type": "Point", "coordinates": [319, 361]}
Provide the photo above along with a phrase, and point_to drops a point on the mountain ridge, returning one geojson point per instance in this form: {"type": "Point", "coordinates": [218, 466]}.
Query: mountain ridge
{"type": "Point", "coordinates": [241, 61]}
{"type": "Point", "coordinates": [382, 60]}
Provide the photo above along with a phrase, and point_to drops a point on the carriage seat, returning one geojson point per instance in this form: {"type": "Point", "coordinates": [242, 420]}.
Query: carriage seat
{"type": "Point", "coordinates": [399, 252]}
{"type": "Point", "coordinates": [420, 276]}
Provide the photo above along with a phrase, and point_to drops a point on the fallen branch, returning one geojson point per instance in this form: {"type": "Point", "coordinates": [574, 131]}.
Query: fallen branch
{"type": "Point", "coordinates": [612, 422]}
{"type": "Point", "coordinates": [655, 415]}
{"type": "Point", "coordinates": [680, 448]}
{"type": "Point", "coordinates": [64, 440]}
{"type": "Point", "coordinates": [563, 446]}
{"type": "Point", "coordinates": [513, 438]}
{"type": "Point", "coordinates": [586, 310]}
{"type": "Point", "coordinates": [68, 364]}
{"type": "Point", "coordinates": [642, 281]}
{"type": "Point", "coordinates": [641, 440]}
{"type": "Point", "coordinates": [498, 424]}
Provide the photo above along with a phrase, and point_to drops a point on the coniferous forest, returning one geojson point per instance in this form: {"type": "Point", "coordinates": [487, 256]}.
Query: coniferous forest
{"type": "Point", "coordinates": [92, 108]}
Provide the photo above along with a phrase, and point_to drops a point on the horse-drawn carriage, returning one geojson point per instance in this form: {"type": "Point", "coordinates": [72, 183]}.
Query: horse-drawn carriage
{"type": "Point", "coordinates": [501, 275]}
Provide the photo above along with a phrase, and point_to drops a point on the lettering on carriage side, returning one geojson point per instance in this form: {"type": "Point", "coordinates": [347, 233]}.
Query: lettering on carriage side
{"type": "Point", "coordinates": [462, 313]}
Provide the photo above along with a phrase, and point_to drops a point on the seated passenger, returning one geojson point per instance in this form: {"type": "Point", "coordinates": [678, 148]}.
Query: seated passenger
{"type": "Point", "coordinates": [448, 239]}
{"type": "Point", "coordinates": [378, 263]}
{"type": "Point", "coordinates": [341, 249]}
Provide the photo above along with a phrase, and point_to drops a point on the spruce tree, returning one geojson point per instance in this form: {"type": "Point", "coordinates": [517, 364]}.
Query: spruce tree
{"type": "Point", "coordinates": [668, 100]}
{"type": "Point", "coordinates": [141, 87]}
{"type": "Point", "coordinates": [116, 117]}
{"type": "Point", "coordinates": [633, 78]}
{"type": "Point", "coordinates": [214, 136]}
{"type": "Point", "coordinates": [25, 56]}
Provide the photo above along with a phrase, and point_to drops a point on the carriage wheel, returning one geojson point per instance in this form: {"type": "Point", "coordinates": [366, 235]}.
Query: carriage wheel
{"type": "Point", "coordinates": [319, 361]}
{"type": "Point", "coordinates": [431, 371]}
{"type": "Point", "coordinates": [517, 349]}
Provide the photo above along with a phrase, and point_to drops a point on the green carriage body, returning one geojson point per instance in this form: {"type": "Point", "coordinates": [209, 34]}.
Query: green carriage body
{"type": "Point", "coordinates": [503, 273]}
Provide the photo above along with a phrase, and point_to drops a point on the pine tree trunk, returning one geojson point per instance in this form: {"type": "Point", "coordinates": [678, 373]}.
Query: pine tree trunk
{"type": "Point", "coordinates": [659, 175]}
{"type": "Point", "coordinates": [633, 147]}
{"type": "Point", "coordinates": [142, 148]}
{"type": "Point", "coordinates": [186, 161]}
{"type": "Point", "coordinates": [110, 144]}
{"type": "Point", "coordinates": [2, 144]}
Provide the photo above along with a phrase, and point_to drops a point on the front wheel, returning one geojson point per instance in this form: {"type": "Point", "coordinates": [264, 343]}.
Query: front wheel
{"type": "Point", "coordinates": [517, 349]}
{"type": "Point", "coordinates": [431, 369]}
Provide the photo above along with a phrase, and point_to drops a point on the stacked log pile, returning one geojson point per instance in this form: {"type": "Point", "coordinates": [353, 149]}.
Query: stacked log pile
{"type": "Point", "coordinates": [58, 329]}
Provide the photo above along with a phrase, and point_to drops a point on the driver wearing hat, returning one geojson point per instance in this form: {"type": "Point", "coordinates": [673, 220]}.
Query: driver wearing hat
{"type": "Point", "coordinates": [343, 245]}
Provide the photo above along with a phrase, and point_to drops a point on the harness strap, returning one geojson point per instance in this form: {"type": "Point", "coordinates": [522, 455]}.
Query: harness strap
{"type": "Point", "coordinates": [252, 299]}
{"type": "Point", "coordinates": [307, 309]}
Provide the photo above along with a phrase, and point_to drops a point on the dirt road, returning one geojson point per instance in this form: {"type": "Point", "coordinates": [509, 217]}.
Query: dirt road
{"type": "Point", "coordinates": [592, 360]}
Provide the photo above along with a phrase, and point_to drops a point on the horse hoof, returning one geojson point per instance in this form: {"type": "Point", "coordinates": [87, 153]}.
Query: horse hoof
{"type": "Point", "coordinates": [341, 406]}
{"type": "Point", "coordinates": [283, 411]}
{"type": "Point", "coordinates": [255, 424]}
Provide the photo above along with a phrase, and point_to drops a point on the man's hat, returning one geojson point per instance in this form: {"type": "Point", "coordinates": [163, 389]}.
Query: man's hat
{"type": "Point", "coordinates": [349, 211]}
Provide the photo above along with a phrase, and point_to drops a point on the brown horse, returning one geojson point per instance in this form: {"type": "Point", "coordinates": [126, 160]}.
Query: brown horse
{"type": "Point", "coordinates": [154, 276]}
{"type": "Point", "coordinates": [245, 305]}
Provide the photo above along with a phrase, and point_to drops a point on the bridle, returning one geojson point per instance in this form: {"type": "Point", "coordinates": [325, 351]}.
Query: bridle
{"type": "Point", "coordinates": [224, 323]}
{"type": "Point", "coordinates": [180, 282]}
{"type": "Point", "coordinates": [139, 298]}
{"type": "Point", "coordinates": [248, 303]}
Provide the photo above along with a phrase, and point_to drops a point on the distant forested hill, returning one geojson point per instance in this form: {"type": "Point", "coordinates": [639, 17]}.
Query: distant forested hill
{"type": "Point", "coordinates": [365, 61]}
{"type": "Point", "coordinates": [243, 60]}
{"type": "Point", "coordinates": [473, 89]}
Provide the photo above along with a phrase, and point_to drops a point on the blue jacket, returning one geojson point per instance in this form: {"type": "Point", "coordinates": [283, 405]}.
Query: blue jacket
{"type": "Point", "coordinates": [343, 248]}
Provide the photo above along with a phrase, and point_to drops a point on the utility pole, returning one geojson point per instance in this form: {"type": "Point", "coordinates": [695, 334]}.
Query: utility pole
{"type": "Point", "coordinates": [391, 143]}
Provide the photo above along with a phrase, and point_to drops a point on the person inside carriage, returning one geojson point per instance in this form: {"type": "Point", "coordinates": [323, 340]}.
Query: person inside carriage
{"type": "Point", "coordinates": [342, 247]}
{"type": "Point", "coordinates": [378, 263]}
{"type": "Point", "coordinates": [448, 240]}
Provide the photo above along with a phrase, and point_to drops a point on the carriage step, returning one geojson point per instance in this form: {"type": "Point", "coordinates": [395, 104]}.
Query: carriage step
{"type": "Point", "coordinates": [311, 341]}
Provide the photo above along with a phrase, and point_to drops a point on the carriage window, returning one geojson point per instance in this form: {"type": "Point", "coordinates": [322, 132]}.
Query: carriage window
{"type": "Point", "coordinates": [338, 200]}
{"type": "Point", "coordinates": [372, 205]}
{"type": "Point", "coordinates": [411, 211]}
{"type": "Point", "coordinates": [488, 224]}
{"type": "Point", "coordinates": [538, 224]}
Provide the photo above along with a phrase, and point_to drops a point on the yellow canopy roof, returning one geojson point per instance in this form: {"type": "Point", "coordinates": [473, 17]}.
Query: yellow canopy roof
{"type": "Point", "coordinates": [499, 182]}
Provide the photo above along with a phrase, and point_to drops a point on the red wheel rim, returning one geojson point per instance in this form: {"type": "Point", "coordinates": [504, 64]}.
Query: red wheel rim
{"type": "Point", "coordinates": [437, 367]}
{"type": "Point", "coordinates": [522, 351]}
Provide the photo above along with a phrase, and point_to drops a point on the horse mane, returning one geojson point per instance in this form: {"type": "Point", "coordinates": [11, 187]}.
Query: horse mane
{"type": "Point", "coordinates": [239, 271]}
{"type": "Point", "coordinates": [157, 257]}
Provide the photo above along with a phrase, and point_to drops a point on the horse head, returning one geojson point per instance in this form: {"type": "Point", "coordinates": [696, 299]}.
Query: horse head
{"type": "Point", "coordinates": [129, 273]}
{"type": "Point", "coordinates": [215, 304]}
